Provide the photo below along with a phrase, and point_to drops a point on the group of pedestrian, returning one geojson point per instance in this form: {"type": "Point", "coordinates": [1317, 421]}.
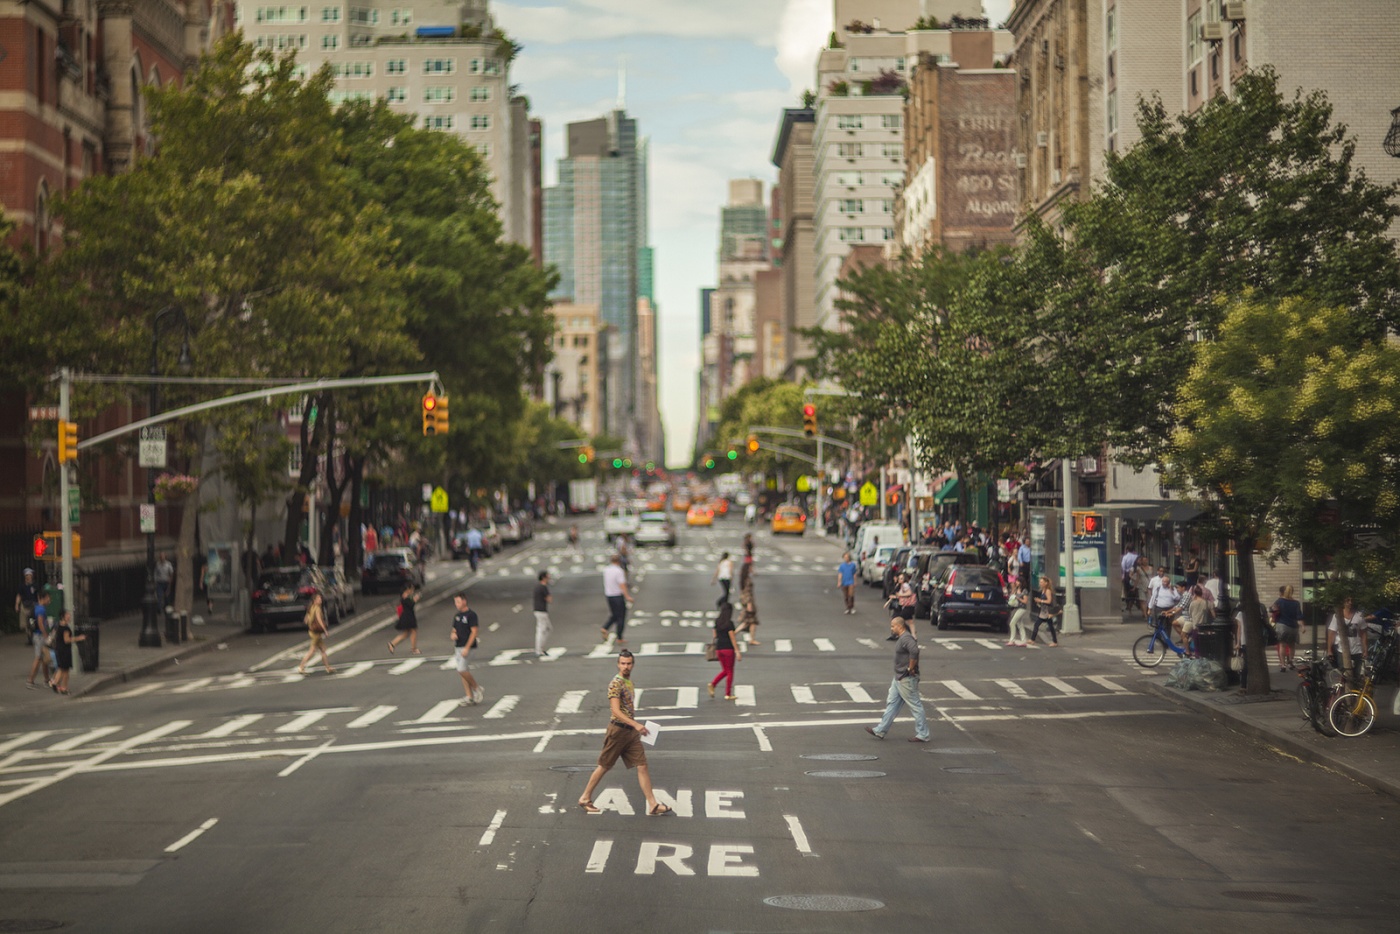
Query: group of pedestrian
{"type": "Point", "coordinates": [52, 639]}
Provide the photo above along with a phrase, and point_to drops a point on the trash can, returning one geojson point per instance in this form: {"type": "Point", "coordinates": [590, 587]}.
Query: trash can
{"type": "Point", "coordinates": [1215, 641]}
{"type": "Point", "coordinates": [172, 626]}
{"type": "Point", "coordinates": [88, 649]}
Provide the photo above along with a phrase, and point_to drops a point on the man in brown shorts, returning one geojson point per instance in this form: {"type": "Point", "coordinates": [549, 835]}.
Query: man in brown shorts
{"type": "Point", "coordinates": [623, 740]}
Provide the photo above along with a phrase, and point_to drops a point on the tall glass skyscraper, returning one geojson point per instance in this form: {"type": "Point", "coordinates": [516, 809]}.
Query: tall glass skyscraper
{"type": "Point", "coordinates": [595, 234]}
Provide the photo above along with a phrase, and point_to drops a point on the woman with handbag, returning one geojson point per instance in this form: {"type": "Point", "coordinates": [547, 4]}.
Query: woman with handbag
{"type": "Point", "coordinates": [726, 649]}
{"type": "Point", "coordinates": [1020, 616]}
{"type": "Point", "coordinates": [407, 624]}
{"type": "Point", "coordinates": [1046, 610]}
{"type": "Point", "coordinates": [315, 620]}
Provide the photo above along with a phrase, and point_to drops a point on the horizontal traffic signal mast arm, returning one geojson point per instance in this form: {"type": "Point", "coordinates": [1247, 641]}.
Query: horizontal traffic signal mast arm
{"type": "Point", "coordinates": [795, 433]}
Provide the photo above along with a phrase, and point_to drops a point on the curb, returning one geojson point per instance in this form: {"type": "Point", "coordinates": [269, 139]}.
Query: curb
{"type": "Point", "coordinates": [155, 664]}
{"type": "Point", "coordinates": [1376, 781]}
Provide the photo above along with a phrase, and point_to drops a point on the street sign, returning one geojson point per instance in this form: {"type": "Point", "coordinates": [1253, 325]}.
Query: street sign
{"type": "Point", "coordinates": [148, 518]}
{"type": "Point", "coordinates": [869, 494]}
{"type": "Point", "coordinates": [152, 451]}
{"type": "Point", "coordinates": [74, 505]}
{"type": "Point", "coordinates": [803, 484]}
{"type": "Point", "coordinates": [439, 500]}
{"type": "Point", "coordinates": [43, 413]}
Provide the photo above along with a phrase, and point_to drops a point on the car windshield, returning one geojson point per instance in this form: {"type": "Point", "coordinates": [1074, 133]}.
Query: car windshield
{"type": "Point", "coordinates": [654, 517]}
{"type": "Point", "coordinates": [789, 512]}
{"type": "Point", "coordinates": [283, 578]}
{"type": "Point", "coordinates": [969, 578]}
{"type": "Point", "coordinates": [388, 558]}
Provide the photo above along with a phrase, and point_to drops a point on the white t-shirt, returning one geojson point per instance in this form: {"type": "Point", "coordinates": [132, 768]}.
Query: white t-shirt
{"type": "Point", "coordinates": [726, 569]}
{"type": "Point", "coordinates": [1213, 585]}
{"type": "Point", "coordinates": [1354, 627]}
{"type": "Point", "coordinates": [613, 580]}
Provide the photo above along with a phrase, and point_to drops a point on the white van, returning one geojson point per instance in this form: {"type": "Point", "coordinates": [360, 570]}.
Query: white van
{"type": "Point", "coordinates": [888, 533]}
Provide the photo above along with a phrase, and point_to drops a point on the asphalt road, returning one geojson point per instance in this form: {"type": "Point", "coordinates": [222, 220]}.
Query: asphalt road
{"type": "Point", "coordinates": [231, 794]}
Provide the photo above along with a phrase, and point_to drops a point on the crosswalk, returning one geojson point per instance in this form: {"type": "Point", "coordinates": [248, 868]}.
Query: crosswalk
{"type": "Point", "coordinates": [689, 559]}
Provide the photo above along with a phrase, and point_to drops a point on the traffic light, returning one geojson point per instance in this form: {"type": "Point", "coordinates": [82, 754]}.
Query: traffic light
{"type": "Point", "coordinates": [1088, 523]}
{"type": "Point", "coordinates": [809, 420]}
{"type": "Point", "coordinates": [67, 442]}
{"type": "Point", "coordinates": [709, 462]}
{"type": "Point", "coordinates": [617, 463]}
{"type": "Point", "coordinates": [733, 454]}
{"type": "Point", "coordinates": [441, 416]}
{"type": "Point", "coordinates": [753, 444]}
{"type": "Point", "coordinates": [430, 404]}
{"type": "Point", "coordinates": [41, 548]}
{"type": "Point", "coordinates": [585, 455]}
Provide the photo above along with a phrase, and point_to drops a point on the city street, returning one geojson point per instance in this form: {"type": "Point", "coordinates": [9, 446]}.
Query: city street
{"type": "Point", "coordinates": [231, 794]}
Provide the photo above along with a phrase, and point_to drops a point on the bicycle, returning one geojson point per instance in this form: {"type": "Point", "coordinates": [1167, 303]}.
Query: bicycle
{"type": "Point", "coordinates": [1151, 649]}
{"type": "Point", "coordinates": [1319, 687]}
{"type": "Point", "coordinates": [1353, 712]}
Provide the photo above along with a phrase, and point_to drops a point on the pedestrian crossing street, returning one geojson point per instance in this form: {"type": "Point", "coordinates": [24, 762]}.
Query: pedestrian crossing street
{"type": "Point", "coordinates": [25, 755]}
{"type": "Point", "coordinates": [697, 558]}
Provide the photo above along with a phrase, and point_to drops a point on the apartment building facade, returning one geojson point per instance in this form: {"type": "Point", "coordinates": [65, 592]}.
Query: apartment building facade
{"type": "Point", "coordinates": [571, 384]}
{"type": "Point", "coordinates": [795, 256]}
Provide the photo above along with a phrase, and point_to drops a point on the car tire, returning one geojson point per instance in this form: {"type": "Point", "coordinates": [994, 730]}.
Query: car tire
{"type": "Point", "coordinates": [257, 628]}
{"type": "Point", "coordinates": [942, 623]}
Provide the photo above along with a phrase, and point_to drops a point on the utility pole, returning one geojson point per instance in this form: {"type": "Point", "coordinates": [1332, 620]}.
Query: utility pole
{"type": "Point", "coordinates": [65, 484]}
{"type": "Point", "coordinates": [1070, 623]}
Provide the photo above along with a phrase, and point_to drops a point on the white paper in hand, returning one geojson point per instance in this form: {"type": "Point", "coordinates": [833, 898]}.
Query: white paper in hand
{"type": "Point", "coordinates": [653, 730]}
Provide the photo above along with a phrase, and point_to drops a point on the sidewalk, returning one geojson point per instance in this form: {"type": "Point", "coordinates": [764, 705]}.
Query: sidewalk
{"type": "Point", "coordinates": [119, 658]}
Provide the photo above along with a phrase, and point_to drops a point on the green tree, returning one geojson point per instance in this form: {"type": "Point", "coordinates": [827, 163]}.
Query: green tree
{"type": "Point", "coordinates": [1288, 426]}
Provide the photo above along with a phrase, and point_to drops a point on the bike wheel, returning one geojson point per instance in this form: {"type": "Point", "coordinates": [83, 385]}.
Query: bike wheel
{"type": "Point", "coordinates": [1305, 701]}
{"type": "Point", "coordinates": [1149, 651]}
{"type": "Point", "coordinates": [1351, 714]}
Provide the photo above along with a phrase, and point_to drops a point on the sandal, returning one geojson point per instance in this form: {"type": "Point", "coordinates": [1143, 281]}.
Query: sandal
{"type": "Point", "coordinates": [391, 648]}
{"type": "Point", "coordinates": [590, 808]}
{"type": "Point", "coordinates": [659, 810]}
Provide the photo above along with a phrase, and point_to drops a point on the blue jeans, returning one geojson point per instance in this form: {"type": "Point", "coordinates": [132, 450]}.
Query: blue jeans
{"type": "Point", "coordinates": [904, 691]}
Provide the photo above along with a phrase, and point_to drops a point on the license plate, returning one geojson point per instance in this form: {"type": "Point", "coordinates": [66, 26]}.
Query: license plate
{"type": "Point", "coordinates": [282, 597]}
{"type": "Point", "coordinates": [978, 595]}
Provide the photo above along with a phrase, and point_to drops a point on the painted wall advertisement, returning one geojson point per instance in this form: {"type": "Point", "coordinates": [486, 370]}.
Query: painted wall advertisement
{"type": "Point", "coordinates": [1090, 561]}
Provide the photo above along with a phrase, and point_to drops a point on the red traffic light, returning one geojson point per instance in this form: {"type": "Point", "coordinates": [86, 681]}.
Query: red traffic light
{"type": "Point", "coordinates": [429, 402]}
{"type": "Point", "coordinates": [809, 411]}
{"type": "Point", "coordinates": [41, 546]}
{"type": "Point", "coordinates": [1092, 524]}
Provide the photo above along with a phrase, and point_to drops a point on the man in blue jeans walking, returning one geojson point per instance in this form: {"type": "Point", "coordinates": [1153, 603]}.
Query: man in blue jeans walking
{"type": "Point", "coordinates": [904, 689]}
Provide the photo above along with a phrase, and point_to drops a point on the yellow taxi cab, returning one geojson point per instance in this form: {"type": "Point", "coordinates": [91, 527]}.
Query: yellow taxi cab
{"type": "Point", "coordinates": [680, 502]}
{"type": "Point", "coordinates": [721, 507]}
{"type": "Point", "coordinates": [789, 519]}
{"type": "Point", "coordinates": [700, 514]}
{"type": "Point", "coordinates": [656, 503]}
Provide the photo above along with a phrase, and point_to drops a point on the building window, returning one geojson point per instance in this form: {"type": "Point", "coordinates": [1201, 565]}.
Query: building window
{"type": "Point", "coordinates": [848, 150]}
{"type": "Point", "coordinates": [353, 69]}
{"type": "Point", "coordinates": [438, 123]}
{"type": "Point", "coordinates": [1215, 66]}
{"type": "Point", "coordinates": [1112, 66]}
{"type": "Point", "coordinates": [401, 17]}
{"type": "Point", "coordinates": [886, 233]}
{"type": "Point", "coordinates": [281, 14]}
{"type": "Point", "coordinates": [892, 121]}
{"type": "Point", "coordinates": [892, 179]}
{"type": "Point", "coordinates": [492, 67]}
{"type": "Point", "coordinates": [476, 66]}
{"type": "Point", "coordinates": [480, 122]}
{"type": "Point", "coordinates": [330, 14]}
{"type": "Point", "coordinates": [848, 122]}
{"type": "Point", "coordinates": [1110, 28]}
{"type": "Point", "coordinates": [886, 205]}
{"type": "Point", "coordinates": [899, 63]}
{"type": "Point", "coordinates": [855, 64]}
{"type": "Point", "coordinates": [439, 66]}
{"type": "Point", "coordinates": [360, 16]}
{"type": "Point", "coordinates": [439, 95]}
{"type": "Point", "coordinates": [481, 94]}
{"type": "Point", "coordinates": [893, 151]}
{"type": "Point", "coordinates": [852, 234]}
{"type": "Point", "coordinates": [280, 42]}
{"type": "Point", "coordinates": [485, 150]}
{"type": "Point", "coordinates": [330, 42]}
{"type": "Point", "coordinates": [1193, 39]}
{"type": "Point", "coordinates": [396, 66]}
{"type": "Point", "coordinates": [1237, 43]}
{"type": "Point", "coordinates": [1111, 112]}
{"type": "Point", "coordinates": [852, 206]}
{"type": "Point", "coordinates": [396, 95]}
{"type": "Point", "coordinates": [849, 179]}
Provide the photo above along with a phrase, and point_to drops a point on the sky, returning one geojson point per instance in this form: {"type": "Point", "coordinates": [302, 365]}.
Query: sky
{"type": "Point", "coordinates": [707, 81]}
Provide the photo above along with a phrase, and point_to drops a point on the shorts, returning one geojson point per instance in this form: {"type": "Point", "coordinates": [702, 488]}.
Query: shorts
{"type": "Point", "coordinates": [318, 639]}
{"type": "Point", "coordinates": [39, 648]}
{"type": "Point", "coordinates": [625, 743]}
{"type": "Point", "coordinates": [1187, 626]}
{"type": "Point", "coordinates": [460, 660]}
{"type": "Point", "coordinates": [1287, 635]}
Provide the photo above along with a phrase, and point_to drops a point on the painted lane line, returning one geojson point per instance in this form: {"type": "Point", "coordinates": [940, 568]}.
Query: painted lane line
{"type": "Point", "coordinates": [782, 645]}
{"type": "Point", "coordinates": [305, 759]}
{"type": "Point", "coordinates": [1063, 687]}
{"type": "Point", "coordinates": [570, 702]}
{"type": "Point", "coordinates": [502, 707]}
{"type": "Point", "coordinates": [73, 742]}
{"type": "Point", "coordinates": [373, 715]}
{"type": "Point", "coordinates": [868, 643]}
{"type": "Point", "coordinates": [1107, 682]}
{"type": "Point", "coordinates": [799, 836]}
{"type": "Point", "coordinates": [449, 665]}
{"type": "Point", "coordinates": [135, 692]}
{"type": "Point", "coordinates": [404, 667]}
{"type": "Point", "coordinates": [309, 717]}
{"type": "Point", "coordinates": [744, 696]}
{"type": "Point", "coordinates": [803, 694]}
{"type": "Point", "coordinates": [490, 835]}
{"type": "Point", "coordinates": [89, 764]}
{"type": "Point", "coordinates": [193, 686]}
{"type": "Point", "coordinates": [959, 690]}
{"type": "Point", "coordinates": [948, 644]}
{"type": "Point", "coordinates": [1083, 715]}
{"type": "Point", "coordinates": [358, 668]}
{"type": "Point", "coordinates": [229, 727]}
{"type": "Point", "coordinates": [763, 743]}
{"type": "Point", "coordinates": [554, 654]}
{"type": "Point", "coordinates": [856, 692]}
{"type": "Point", "coordinates": [991, 644]}
{"type": "Point", "coordinates": [598, 859]}
{"type": "Point", "coordinates": [23, 739]}
{"type": "Point", "coordinates": [824, 645]}
{"type": "Point", "coordinates": [439, 711]}
{"type": "Point", "coordinates": [192, 836]}
{"type": "Point", "coordinates": [1011, 687]}
{"type": "Point", "coordinates": [601, 650]}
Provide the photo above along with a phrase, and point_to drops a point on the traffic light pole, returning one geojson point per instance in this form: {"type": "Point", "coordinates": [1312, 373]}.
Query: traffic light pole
{"type": "Point", "coordinates": [65, 393]}
{"type": "Point", "coordinates": [1070, 622]}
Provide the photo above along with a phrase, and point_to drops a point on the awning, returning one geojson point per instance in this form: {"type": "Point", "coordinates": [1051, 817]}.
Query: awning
{"type": "Point", "coordinates": [1167, 510]}
{"type": "Point", "coordinates": [948, 492]}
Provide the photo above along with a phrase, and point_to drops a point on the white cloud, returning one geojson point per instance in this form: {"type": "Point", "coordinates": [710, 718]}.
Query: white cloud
{"type": "Point", "coordinates": [615, 19]}
{"type": "Point", "coordinates": [802, 31]}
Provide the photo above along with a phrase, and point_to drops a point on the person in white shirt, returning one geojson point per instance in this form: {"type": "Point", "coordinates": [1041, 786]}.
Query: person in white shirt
{"type": "Point", "coordinates": [1356, 630]}
{"type": "Point", "coordinates": [618, 596]}
{"type": "Point", "coordinates": [724, 573]}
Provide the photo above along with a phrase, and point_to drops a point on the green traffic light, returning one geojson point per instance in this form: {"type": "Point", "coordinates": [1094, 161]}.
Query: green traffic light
{"type": "Point", "coordinates": [583, 458]}
{"type": "Point", "coordinates": [709, 463]}
{"type": "Point", "coordinates": [733, 455]}
{"type": "Point", "coordinates": [617, 463]}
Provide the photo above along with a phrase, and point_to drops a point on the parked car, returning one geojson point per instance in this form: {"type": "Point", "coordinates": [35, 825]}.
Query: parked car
{"type": "Point", "coordinates": [490, 536]}
{"type": "Point", "coordinates": [509, 527]}
{"type": "Point", "coordinates": [526, 517]}
{"type": "Point", "coordinates": [789, 519]}
{"type": "Point", "coordinates": [700, 514]}
{"type": "Point", "coordinates": [971, 593]}
{"type": "Point", "coordinates": [340, 593]}
{"type": "Point", "coordinates": [930, 565]}
{"type": "Point", "coordinates": [656, 528]}
{"type": "Point", "coordinates": [898, 564]}
{"type": "Point", "coordinates": [458, 544]}
{"type": "Point", "coordinates": [872, 566]}
{"type": "Point", "coordinates": [387, 570]}
{"type": "Point", "coordinates": [283, 594]}
{"type": "Point", "coordinates": [620, 520]}
{"type": "Point", "coordinates": [888, 533]}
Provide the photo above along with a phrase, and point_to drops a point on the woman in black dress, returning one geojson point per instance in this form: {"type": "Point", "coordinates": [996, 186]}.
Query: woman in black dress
{"type": "Point", "coordinates": [407, 624]}
{"type": "Point", "coordinates": [63, 651]}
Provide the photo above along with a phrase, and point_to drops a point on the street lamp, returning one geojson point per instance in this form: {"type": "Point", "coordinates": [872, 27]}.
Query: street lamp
{"type": "Point", "coordinates": [150, 629]}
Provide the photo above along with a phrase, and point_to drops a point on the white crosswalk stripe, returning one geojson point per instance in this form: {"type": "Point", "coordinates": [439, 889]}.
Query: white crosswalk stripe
{"type": "Point", "coordinates": [372, 716]}
{"type": "Point", "coordinates": [73, 742]}
{"type": "Point", "coordinates": [229, 727]}
{"type": "Point", "coordinates": [502, 707]}
{"type": "Point", "coordinates": [404, 667]}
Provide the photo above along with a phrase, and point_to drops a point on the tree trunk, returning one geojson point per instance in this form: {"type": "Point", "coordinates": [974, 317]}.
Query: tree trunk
{"type": "Point", "coordinates": [1256, 659]}
{"type": "Point", "coordinates": [335, 491]}
{"type": "Point", "coordinates": [185, 582]}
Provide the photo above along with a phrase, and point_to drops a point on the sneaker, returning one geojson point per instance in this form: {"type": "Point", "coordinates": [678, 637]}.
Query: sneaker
{"type": "Point", "coordinates": [479, 694]}
{"type": "Point", "coordinates": [871, 731]}
{"type": "Point", "coordinates": [915, 739]}
{"type": "Point", "coordinates": [466, 702]}
{"type": "Point", "coordinates": [712, 689]}
{"type": "Point", "coordinates": [731, 697]}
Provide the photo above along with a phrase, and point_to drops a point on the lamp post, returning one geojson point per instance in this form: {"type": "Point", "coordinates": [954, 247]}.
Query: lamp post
{"type": "Point", "coordinates": [150, 629]}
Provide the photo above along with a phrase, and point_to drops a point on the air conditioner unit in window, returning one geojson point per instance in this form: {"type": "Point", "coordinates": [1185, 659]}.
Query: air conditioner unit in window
{"type": "Point", "coordinates": [1019, 158]}
{"type": "Point", "coordinates": [1042, 139]}
{"type": "Point", "coordinates": [1054, 176]}
{"type": "Point", "coordinates": [1234, 10]}
{"type": "Point", "coordinates": [1212, 32]}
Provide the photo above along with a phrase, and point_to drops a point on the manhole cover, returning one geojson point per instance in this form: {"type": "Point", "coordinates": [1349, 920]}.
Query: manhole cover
{"type": "Point", "coordinates": [28, 924]}
{"type": "Point", "coordinates": [845, 773]}
{"type": "Point", "coordinates": [963, 751]}
{"type": "Point", "coordinates": [823, 903]}
{"type": "Point", "coordinates": [1287, 898]}
{"type": "Point", "coordinates": [841, 757]}
{"type": "Point", "coordinates": [571, 768]}
{"type": "Point", "coordinates": [972, 770]}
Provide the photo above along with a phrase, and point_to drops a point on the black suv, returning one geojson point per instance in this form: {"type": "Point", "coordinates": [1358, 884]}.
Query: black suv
{"type": "Point", "coordinates": [971, 593]}
{"type": "Point", "coordinates": [282, 595]}
{"type": "Point", "coordinates": [389, 569]}
{"type": "Point", "coordinates": [928, 568]}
